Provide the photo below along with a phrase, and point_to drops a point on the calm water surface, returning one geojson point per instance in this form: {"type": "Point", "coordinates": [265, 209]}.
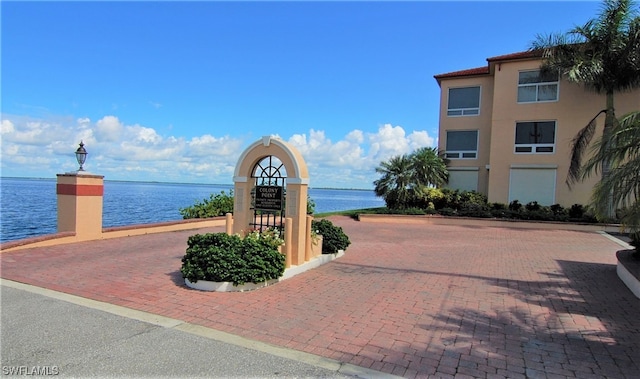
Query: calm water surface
{"type": "Point", "coordinates": [28, 207]}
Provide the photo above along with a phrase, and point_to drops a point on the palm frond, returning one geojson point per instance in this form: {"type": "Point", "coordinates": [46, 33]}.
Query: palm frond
{"type": "Point", "coordinates": [578, 146]}
{"type": "Point", "coordinates": [621, 188]}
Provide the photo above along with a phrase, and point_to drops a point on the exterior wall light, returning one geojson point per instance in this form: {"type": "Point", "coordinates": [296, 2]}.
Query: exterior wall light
{"type": "Point", "coordinates": [81, 156]}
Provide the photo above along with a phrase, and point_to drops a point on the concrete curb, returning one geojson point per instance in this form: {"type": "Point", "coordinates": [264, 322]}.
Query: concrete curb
{"type": "Point", "coordinates": [630, 280]}
{"type": "Point", "coordinates": [205, 285]}
{"type": "Point", "coordinates": [167, 322]}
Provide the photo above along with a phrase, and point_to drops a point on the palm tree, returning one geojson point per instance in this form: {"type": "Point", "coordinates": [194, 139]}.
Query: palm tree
{"type": "Point", "coordinates": [603, 55]}
{"type": "Point", "coordinates": [622, 186]}
{"type": "Point", "coordinates": [403, 174]}
{"type": "Point", "coordinates": [395, 182]}
{"type": "Point", "coordinates": [429, 169]}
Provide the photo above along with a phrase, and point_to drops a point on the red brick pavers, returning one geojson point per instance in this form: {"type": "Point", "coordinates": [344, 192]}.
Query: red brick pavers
{"type": "Point", "coordinates": [413, 300]}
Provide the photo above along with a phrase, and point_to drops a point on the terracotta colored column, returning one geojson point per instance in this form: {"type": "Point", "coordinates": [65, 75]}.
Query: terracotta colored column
{"type": "Point", "coordinates": [80, 204]}
{"type": "Point", "coordinates": [297, 211]}
{"type": "Point", "coordinates": [288, 245]}
{"type": "Point", "coordinates": [308, 252]}
{"type": "Point", "coordinates": [228, 223]}
{"type": "Point", "coordinates": [242, 212]}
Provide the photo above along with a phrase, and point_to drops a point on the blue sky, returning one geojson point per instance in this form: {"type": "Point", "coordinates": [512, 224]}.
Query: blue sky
{"type": "Point", "coordinates": [175, 91]}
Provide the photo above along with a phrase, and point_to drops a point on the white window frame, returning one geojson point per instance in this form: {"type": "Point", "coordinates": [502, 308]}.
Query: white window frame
{"type": "Point", "coordinates": [460, 154]}
{"type": "Point", "coordinates": [536, 148]}
{"type": "Point", "coordinates": [464, 112]}
{"type": "Point", "coordinates": [537, 86]}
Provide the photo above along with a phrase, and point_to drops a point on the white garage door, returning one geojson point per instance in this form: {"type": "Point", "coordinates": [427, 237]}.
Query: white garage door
{"type": "Point", "coordinates": [463, 180]}
{"type": "Point", "coordinates": [533, 184]}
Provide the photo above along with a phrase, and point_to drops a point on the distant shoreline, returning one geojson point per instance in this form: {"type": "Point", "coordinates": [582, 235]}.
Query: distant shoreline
{"type": "Point", "coordinates": [182, 183]}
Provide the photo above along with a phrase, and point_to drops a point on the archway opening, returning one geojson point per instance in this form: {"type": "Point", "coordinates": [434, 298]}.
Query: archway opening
{"type": "Point", "coordinates": [268, 194]}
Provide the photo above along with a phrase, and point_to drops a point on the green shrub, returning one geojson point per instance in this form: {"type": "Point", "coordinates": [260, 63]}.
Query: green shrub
{"type": "Point", "coordinates": [532, 206]}
{"type": "Point", "coordinates": [515, 205]}
{"type": "Point", "coordinates": [333, 237]}
{"type": "Point", "coordinates": [425, 197]}
{"type": "Point", "coordinates": [311, 206]}
{"type": "Point", "coordinates": [576, 211]}
{"type": "Point", "coordinates": [456, 199]}
{"type": "Point", "coordinates": [452, 199]}
{"type": "Point", "coordinates": [476, 207]}
{"type": "Point", "coordinates": [475, 210]}
{"type": "Point", "coordinates": [418, 211]}
{"type": "Point", "coordinates": [448, 212]}
{"type": "Point", "coordinates": [407, 211]}
{"type": "Point", "coordinates": [498, 206]}
{"type": "Point", "coordinates": [216, 205]}
{"type": "Point", "coordinates": [219, 257]}
{"type": "Point", "coordinates": [589, 217]}
{"type": "Point", "coordinates": [559, 212]}
{"type": "Point", "coordinates": [473, 197]}
{"type": "Point", "coordinates": [500, 213]}
{"type": "Point", "coordinates": [539, 213]}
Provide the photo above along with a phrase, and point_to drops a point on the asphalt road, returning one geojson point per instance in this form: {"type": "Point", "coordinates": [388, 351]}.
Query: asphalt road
{"type": "Point", "coordinates": [69, 340]}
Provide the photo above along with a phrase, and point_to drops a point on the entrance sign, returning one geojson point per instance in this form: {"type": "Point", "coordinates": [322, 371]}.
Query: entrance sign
{"type": "Point", "coordinates": [269, 198]}
{"type": "Point", "coordinates": [267, 171]}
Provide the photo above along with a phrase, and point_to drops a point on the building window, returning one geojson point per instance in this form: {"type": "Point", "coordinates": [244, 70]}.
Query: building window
{"type": "Point", "coordinates": [464, 101]}
{"type": "Point", "coordinates": [537, 137]}
{"type": "Point", "coordinates": [533, 86]}
{"type": "Point", "coordinates": [462, 144]}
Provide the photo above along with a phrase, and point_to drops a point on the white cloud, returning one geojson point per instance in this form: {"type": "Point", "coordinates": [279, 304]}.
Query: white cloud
{"type": "Point", "coordinates": [355, 136]}
{"type": "Point", "coordinates": [144, 135]}
{"type": "Point", "coordinates": [421, 138]}
{"type": "Point", "coordinates": [109, 129]}
{"type": "Point", "coordinates": [7, 127]}
{"type": "Point", "coordinates": [35, 147]}
{"type": "Point", "coordinates": [208, 145]}
{"type": "Point", "coordinates": [388, 142]}
{"type": "Point", "coordinates": [351, 162]}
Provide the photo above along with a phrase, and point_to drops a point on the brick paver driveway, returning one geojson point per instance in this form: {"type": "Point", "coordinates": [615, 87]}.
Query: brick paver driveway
{"type": "Point", "coordinates": [412, 300]}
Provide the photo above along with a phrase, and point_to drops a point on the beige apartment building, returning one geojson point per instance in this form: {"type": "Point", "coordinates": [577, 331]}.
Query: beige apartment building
{"type": "Point", "coordinates": [507, 130]}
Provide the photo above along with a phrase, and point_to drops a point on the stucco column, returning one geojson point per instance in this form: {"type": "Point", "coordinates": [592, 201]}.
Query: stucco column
{"type": "Point", "coordinates": [308, 252]}
{"type": "Point", "coordinates": [80, 204]}
{"type": "Point", "coordinates": [297, 210]}
{"type": "Point", "coordinates": [242, 213]}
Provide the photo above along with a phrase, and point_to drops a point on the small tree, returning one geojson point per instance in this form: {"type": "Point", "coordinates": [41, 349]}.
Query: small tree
{"type": "Point", "coordinates": [404, 175]}
{"type": "Point", "coordinates": [216, 205]}
{"type": "Point", "coordinates": [428, 168]}
{"type": "Point", "coordinates": [396, 181]}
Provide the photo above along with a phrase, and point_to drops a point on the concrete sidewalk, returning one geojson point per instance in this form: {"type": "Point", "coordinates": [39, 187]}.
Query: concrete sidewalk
{"type": "Point", "coordinates": [410, 300]}
{"type": "Point", "coordinates": [41, 329]}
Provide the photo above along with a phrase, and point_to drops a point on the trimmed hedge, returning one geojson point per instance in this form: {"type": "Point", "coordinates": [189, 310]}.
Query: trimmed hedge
{"type": "Point", "coordinates": [449, 202]}
{"type": "Point", "coordinates": [219, 257]}
{"type": "Point", "coordinates": [333, 237]}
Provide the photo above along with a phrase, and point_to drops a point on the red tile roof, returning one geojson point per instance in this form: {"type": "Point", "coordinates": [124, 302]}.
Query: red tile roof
{"type": "Point", "coordinates": [470, 72]}
{"type": "Point", "coordinates": [485, 70]}
{"type": "Point", "coordinates": [520, 55]}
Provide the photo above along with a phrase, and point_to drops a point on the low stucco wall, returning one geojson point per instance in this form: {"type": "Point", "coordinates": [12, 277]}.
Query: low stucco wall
{"type": "Point", "coordinates": [487, 222]}
{"type": "Point", "coordinates": [113, 232]}
{"type": "Point", "coordinates": [628, 270]}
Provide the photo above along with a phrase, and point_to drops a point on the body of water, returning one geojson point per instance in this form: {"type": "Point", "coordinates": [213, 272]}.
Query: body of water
{"type": "Point", "coordinates": [28, 207]}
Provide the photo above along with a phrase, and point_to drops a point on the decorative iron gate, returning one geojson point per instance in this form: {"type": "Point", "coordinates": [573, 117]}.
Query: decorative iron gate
{"type": "Point", "coordinates": [268, 194]}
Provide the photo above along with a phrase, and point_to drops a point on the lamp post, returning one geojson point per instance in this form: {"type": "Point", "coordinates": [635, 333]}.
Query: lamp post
{"type": "Point", "coordinates": [81, 156]}
{"type": "Point", "coordinates": [80, 196]}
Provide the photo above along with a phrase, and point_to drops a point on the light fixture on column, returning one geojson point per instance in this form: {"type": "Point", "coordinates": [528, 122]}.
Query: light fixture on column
{"type": "Point", "coordinates": [81, 156]}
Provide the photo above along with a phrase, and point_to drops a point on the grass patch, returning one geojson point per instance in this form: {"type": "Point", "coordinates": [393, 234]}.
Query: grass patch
{"type": "Point", "coordinates": [353, 213]}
